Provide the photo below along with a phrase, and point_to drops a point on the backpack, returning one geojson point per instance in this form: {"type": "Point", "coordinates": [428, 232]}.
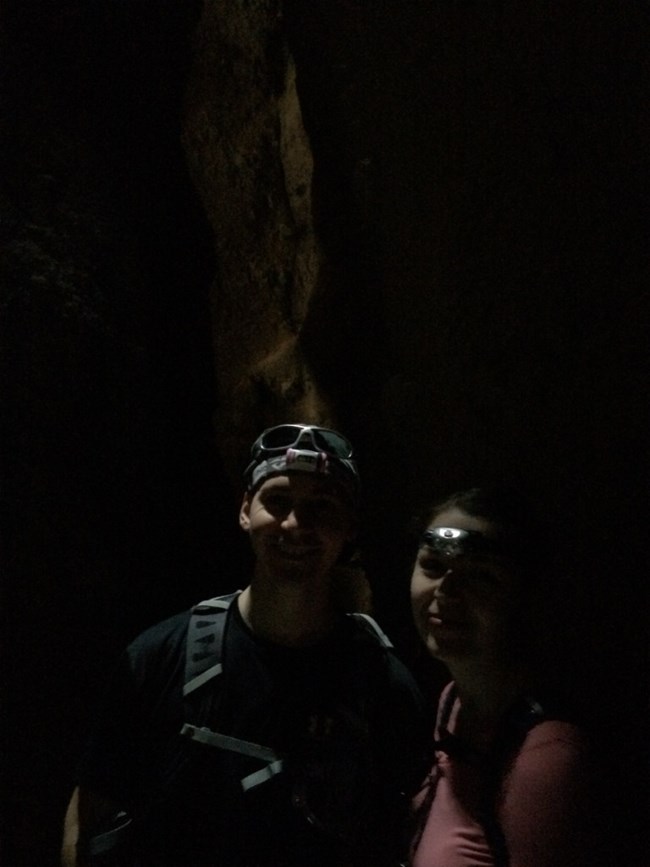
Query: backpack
{"type": "Point", "coordinates": [203, 663]}
{"type": "Point", "coordinates": [204, 666]}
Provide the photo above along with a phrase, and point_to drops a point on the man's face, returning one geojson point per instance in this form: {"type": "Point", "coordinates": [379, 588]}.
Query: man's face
{"type": "Point", "coordinates": [298, 525]}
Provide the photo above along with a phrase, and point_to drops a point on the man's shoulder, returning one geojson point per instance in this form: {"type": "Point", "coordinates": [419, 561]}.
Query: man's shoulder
{"type": "Point", "coordinates": [164, 644]}
{"type": "Point", "coordinates": [395, 676]}
{"type": "Point", "coordinates": [162, 633]}
{"type": "Point", "coordinates": [159, 647]}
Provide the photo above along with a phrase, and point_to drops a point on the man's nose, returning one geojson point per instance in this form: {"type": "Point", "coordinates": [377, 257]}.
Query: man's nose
{"type": "Point", "coordinates": [291, 520]}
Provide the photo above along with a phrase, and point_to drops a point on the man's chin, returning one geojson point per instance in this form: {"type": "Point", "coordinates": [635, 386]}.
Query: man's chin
{"type": "Point", "coordinates": [296, 566]}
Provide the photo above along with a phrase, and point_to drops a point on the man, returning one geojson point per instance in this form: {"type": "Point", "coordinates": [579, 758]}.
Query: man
{"type": "Point", "coordinates": [267, 729]}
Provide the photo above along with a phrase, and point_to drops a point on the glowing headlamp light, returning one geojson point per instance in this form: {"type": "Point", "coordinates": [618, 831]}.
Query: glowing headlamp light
{"type": "Point", "coordinates": [453, 542]}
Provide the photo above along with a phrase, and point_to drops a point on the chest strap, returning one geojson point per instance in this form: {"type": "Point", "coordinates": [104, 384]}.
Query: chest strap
{"type": "Point", "coordinates": [203, 663]}
{"type": "Point", "coordinates": [206, 736]}
{"type": "Point", "coordinates": [274, 763]}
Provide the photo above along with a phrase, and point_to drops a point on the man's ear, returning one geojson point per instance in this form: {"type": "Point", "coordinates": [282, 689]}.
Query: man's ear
{"type": "Point", "coordinates": [244, 512]}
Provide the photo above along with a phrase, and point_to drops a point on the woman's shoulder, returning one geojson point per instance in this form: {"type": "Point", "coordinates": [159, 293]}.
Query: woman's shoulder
{"type": "Point", "coordinates": [561, 735]}
{"type": "Point", "coordinates": [553, 752]}
{"type": "Point", "coordinates": [549, 801]}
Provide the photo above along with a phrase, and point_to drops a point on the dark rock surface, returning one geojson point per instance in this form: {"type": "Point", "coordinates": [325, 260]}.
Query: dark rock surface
{"type": "Point", "coordinates": [425, 223]}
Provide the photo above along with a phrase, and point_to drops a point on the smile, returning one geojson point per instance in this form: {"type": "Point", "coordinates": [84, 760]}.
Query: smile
{"type": "Point", "coordinates": [438, 621]}
{"type": "Point", "coordinates": [293, 550]}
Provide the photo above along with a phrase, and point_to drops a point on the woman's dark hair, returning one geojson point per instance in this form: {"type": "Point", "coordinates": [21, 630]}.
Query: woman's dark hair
{"type": "Point", "coordinates": [518, 519]}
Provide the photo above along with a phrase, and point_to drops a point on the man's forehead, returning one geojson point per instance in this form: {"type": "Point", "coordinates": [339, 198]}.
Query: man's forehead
{"type": "Point", "coordinates": [302, 482]}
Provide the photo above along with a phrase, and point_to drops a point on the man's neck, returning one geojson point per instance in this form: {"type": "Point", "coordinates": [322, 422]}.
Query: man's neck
{"type": "Point", "coordinates": [294, 616]}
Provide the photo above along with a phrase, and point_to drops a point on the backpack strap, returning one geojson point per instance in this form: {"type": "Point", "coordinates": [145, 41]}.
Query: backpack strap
{"type": "Point", "coordinates": [205, 633]}
{"type": "Point", "coordinates": [273, 763]}
{"type": "Point", "coordinates": [518, 722]}
{"type": "Point", "coordinates": [371, 626]}
{"type": "Point", "coordinates": [444, 714]}
{"type": "Point", "coordinates": [203, 663]}
{"type": "Point", "coordinates": [521, 718]}
{"type": "Point", "coordinates": [203, 654]}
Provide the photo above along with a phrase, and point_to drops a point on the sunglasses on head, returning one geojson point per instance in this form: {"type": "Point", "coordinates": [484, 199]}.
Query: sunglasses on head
{"type": "Point", "coordinates": [276, 440]}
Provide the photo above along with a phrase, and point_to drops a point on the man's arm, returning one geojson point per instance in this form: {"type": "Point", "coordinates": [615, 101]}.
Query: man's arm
{"type": "Point", "coordinates": [86, 813]}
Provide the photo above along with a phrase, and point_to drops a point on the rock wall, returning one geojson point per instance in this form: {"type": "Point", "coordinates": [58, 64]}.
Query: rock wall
{"type": "Point", "coordinates": [473, 209]}
{"type": "Point", "coordinates": [458, 236]}
{"type": "Point", "coordinates": [425, 223]}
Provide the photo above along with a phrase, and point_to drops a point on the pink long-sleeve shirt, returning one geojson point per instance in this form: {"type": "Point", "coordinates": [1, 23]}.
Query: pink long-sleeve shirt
{"type": "Point", "coordinates": [543, 804]}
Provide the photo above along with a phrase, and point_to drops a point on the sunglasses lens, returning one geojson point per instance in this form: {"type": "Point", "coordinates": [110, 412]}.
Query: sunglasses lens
{"type": "Point", "coordinates": [291, 447]}
{"type": "Point", "coordinates": [281, 437]}
{"type": "Point", "coordinates": [332, 443]}
{"type": "Point", "coordinates": [287, 435]}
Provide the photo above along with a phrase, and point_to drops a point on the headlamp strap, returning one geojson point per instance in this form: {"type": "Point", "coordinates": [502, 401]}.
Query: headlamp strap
{"type": "Point", "coordinates": [311, 461]}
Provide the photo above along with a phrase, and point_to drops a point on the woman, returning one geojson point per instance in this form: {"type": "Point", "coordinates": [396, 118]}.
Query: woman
{"type": "Point", "coordinates": [512, 782]}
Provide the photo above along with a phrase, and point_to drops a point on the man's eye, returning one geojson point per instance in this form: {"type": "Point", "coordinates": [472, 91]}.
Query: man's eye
{"type": "Point", "coordinates": [325, 510]}
{"type": "Point", "coordinates": [277, 503]}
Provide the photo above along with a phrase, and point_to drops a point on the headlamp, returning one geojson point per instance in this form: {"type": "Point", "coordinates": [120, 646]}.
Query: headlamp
{"type": "Point", "coordinates": [453, 542]}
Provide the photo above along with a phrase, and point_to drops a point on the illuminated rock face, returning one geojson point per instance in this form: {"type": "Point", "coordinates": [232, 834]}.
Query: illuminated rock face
{"type": "Point", "coordinates": [428, 228]}
{"type": "Point", "coordinates": [252, 162]}
{"type": "Point", "coordinates": [426, 231]}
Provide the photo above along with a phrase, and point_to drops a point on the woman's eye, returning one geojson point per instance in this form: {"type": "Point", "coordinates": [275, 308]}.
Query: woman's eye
{"type": "Point", "coordinates": [484, 576]}
{"type": "Point", "coordinates": [324, 505]}
{"type": "Point", "coordinates": [432, 566]}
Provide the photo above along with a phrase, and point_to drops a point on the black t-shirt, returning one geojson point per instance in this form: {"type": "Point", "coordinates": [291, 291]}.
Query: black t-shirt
{"type": "Point", "coordinates": [344, 715]}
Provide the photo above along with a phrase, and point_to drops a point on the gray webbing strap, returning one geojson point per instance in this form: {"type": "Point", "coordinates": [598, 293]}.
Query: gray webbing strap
{"type": "Point", "coordinates": [204, 641]}
{"type": "Point", "coordinates": [105, 842]}
{"type": "Point", "coordinates": [372, 626]}
{"type": "Point", "coordinates": [214, 739]}
{"type": "Point", "coordinates": [262, 776]}
{"type": "Point", "coordinates": [203, 663]}
{"type": "Point", "coordinates": [205, 634]}
{"type": "Point", "coordinates": [246, 748]}
{"type": "Point", "coordinates": [200, 679]}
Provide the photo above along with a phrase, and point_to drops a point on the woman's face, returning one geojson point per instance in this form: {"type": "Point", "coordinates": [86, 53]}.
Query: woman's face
{"type": "Point", "coordinates": [463, 605]}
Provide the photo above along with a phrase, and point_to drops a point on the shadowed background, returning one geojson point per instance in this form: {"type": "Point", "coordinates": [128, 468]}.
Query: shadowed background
{"type": "Point", "coordinates": [425, 223]}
